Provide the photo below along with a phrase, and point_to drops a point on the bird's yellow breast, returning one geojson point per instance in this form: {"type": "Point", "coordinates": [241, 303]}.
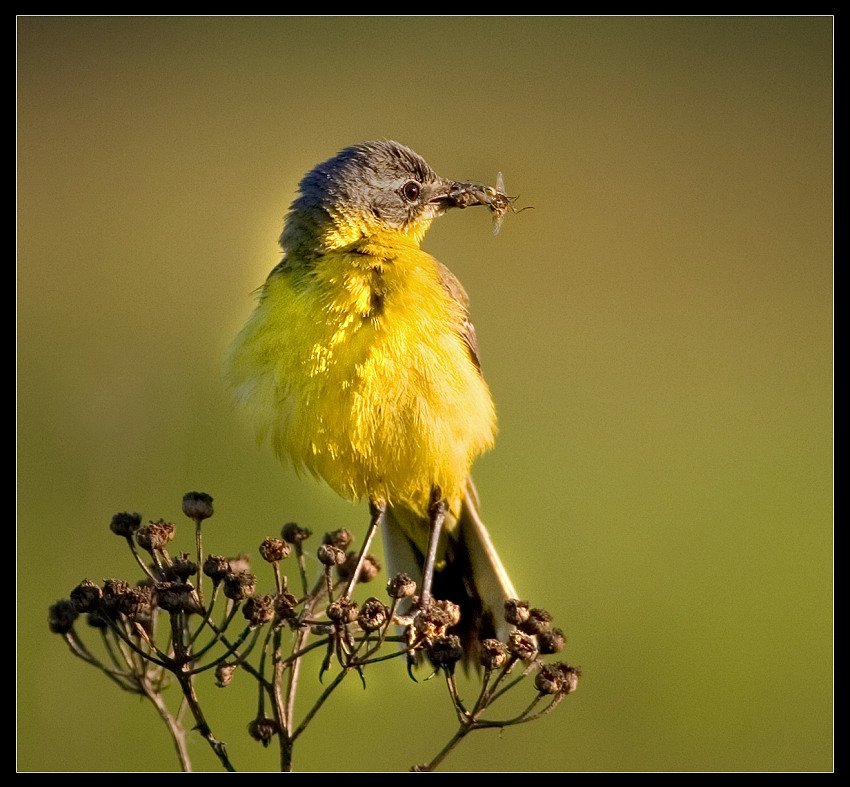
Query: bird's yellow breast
{"type": "Point", "coordinates": [355, 368]}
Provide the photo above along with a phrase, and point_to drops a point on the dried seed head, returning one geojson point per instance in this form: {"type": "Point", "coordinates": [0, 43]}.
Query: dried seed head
{"type": "Point", "coordinates": [548, 680]}
{"type": "Point", "coordinates": [445, 652]}
{"type": "Point", "coordinates": [239, 585]}
{"type": "Point", "coordinates": [368, 571]}
{"type": "Point", "coordinates": [155, 535]}
{"type": "Point", "coordinates": [273, 550]}
{"type": "Point", "coordinates": [86, 596]}
{"type": "Point", "coordinates": [521, 646]}
{"type": "Point", "coordinates": [537, 622]}
{"type": "Point", "coordinates": [137, 602]}
{"type": "Point", "coordinates": [242, 562]}
{"type": "Point", "coordinates": [372, 615]}
{"type": "Point", "coordinates": [433, 621]}
{"type": "Point", "coordinates": [516, 611]}
{"type": "Point", "coordinates": [216, 568]}
{"type": "Point", "coordinates": [224, 675]}
{"type": "Point", "coordinates": [263, 729]}
{"type": "Point", "coordinates": [114, 587]}
{"type": "Point", "coordinates": [342, 611]}
{"type": "Point", "coordinates": [61, 616]}
{"type": "Point", "coordinates": [197, 505]}
{"type": "Point", "coordinates": [125, 524]}
{"type": "Point", "coordinates": [557, 678]}
{"type": "Point", "coordinates": [176, 597]}
{"type": "Point", "coordinates": [341, 538]}
{"type": "Point", "coordinates": [494, 654]}
{"type": "Point", "coordinates": [113, 590]}
{"type": "Point", "coordinates": [401, 586]}
{"type": "Point", "coordinates": [182, 567]}
{"type": "Point", "coordinates": [293, 533]}
{"type": "Point", "coordinates": [571, 676]}
{"type": "Point", "coordinates": [450, 611]}
{"type": "Point", "coordinates": [284, 606]}
{"type": "Point", "coordinates": [258, 610]}
{"type": "Point", "coordinates": [551, 641]}
{"type": "Point", "coordinates": [330, 555]}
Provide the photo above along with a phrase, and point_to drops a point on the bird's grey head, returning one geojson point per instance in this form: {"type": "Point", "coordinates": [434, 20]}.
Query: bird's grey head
{"type": "Point", "coordinates": [363, 190]}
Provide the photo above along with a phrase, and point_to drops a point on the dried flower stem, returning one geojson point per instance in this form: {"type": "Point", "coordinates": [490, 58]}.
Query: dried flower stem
{"type": "Point", "coordinates": [150, 632]}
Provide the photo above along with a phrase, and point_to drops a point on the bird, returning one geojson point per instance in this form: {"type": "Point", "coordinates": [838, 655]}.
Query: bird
{"type": "Point", "coordinates": [359, 365]}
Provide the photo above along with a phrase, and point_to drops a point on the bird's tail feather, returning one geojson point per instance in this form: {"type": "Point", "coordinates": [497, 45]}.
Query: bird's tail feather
{"type": "Point", "coordinates": [470, 573]}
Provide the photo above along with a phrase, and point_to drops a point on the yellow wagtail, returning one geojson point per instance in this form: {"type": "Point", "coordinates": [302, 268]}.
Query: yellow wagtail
{"type": "Point", "coordinates": [360, 364]}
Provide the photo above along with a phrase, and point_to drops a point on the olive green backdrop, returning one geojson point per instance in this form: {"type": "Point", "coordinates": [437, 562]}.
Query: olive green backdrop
{"type": "Point", "coordinates": [657, 334]}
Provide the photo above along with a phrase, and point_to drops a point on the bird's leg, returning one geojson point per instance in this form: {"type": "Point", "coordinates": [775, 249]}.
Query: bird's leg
{"type": "Point", "coordinates": [436, 517]}
{"type": "Point", "coordinates": [378, 509]}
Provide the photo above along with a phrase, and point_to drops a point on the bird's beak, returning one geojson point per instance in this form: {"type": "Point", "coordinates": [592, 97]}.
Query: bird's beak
{"type": "Point", "coordinates": [456, 194]}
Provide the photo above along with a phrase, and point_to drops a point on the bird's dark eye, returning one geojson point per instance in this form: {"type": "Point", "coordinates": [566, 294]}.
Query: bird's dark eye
{"type": "Point", "coordinates": [410, 190]}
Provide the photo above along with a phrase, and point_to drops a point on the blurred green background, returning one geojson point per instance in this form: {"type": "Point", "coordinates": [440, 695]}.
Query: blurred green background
{"type": "Point", "coordinates": [657, 334]}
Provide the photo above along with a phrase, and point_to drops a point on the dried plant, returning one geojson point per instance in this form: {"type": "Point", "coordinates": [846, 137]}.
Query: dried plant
{"type": "Point", "coordinates": [166, 630]}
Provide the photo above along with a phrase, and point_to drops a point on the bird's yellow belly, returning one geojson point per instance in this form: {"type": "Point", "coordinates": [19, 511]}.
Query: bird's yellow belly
{"type": "Point", "coordinates": [377, 396]}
